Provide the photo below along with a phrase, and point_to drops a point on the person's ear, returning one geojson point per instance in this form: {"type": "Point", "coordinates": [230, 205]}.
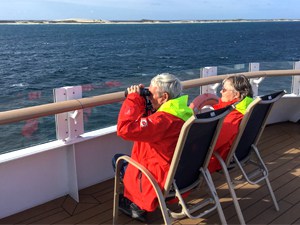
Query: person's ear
{"type": "Point", "coordinates": [237, 95]}
{"type": "Point", "coordinates": [165, 96]}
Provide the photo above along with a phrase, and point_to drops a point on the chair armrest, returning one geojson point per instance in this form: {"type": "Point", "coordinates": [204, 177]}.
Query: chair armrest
{"type": "Point", "coordinates": [143, 169]}
{"type": "Point", "coordinates": [159, 194]}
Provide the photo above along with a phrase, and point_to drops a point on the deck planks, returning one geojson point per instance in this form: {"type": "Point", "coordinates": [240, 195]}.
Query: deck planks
{"type": "Point", "coordinates": [280, 149]}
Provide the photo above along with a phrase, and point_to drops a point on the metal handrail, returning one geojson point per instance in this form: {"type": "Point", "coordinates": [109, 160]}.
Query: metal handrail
{"type": "Point", "coordinates": [17, 115]}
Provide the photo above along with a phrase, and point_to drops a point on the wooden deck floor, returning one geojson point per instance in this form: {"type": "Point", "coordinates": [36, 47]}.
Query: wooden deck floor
{"type": "Point", "coordinates": [280, 149]}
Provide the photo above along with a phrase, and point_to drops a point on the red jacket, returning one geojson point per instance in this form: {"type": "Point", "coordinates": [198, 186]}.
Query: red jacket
{"type": "Point", "coordinates": [228, 131]}
{"type": "Point", "coordinates": [155, 139]}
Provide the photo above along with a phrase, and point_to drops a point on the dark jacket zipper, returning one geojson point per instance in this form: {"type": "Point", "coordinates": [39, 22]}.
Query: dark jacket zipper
{"type": "Point", "coordinates": [140, 178]}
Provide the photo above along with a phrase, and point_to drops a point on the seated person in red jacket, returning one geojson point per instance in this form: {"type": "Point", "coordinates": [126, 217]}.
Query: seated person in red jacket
{"type": "Point", "coordinates": [235, 89]}
{"type": "Point", "coordinates": [155, 137]}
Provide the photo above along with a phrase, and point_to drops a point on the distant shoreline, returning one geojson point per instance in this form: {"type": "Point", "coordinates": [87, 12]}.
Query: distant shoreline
{"type": "Point", "coordinates": [144, 21]}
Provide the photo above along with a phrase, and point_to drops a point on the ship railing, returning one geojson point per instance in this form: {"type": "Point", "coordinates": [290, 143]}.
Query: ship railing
{"type": "Point", "coordinates": [68, 108]}
{"type": "Point", "coordinates": [17, 115]}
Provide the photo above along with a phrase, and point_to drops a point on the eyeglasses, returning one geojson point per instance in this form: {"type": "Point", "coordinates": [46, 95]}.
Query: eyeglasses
{"type": "Point", "coordinates": [224, 89]}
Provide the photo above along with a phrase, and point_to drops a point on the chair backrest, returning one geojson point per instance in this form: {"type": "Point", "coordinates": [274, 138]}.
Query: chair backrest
{"type": "Point", "coordinates": [252, 125]}
{"type": "Point", "coordinates": [194, 148]}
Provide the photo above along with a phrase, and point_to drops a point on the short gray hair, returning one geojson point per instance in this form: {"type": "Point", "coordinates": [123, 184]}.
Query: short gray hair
{"type": "Point", "coordinates": [169, 83]}
{"type": "Point", "coordinates": [241, 84]}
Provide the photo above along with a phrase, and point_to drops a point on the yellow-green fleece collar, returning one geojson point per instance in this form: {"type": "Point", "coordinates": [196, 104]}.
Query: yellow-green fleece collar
{"type": "Point", "coordinates": [177, 107]}
{"type": "Point", "coordinates": [242, 105]}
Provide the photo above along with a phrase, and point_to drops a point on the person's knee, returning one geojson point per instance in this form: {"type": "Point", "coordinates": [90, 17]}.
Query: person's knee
{"type": "Point", "coordinates": [123, 165]}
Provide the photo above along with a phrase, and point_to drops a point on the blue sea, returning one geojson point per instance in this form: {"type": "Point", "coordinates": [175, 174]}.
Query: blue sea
{"type": "Point", "coordinates": [104, 58]}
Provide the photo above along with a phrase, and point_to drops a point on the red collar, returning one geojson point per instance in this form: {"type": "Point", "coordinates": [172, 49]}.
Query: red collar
{"type": "Point", "coordinates": [222, 104]}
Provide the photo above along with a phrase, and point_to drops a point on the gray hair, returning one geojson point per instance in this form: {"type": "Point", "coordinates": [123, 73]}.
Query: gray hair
{"type": "Point", "coordinates": [241, 84]}
{"type": "Point", "coordinates": [169, 83]}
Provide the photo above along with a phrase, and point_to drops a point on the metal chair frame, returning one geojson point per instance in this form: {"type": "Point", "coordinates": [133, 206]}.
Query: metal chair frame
{"type": "Point", "coordinates": [240, 155]}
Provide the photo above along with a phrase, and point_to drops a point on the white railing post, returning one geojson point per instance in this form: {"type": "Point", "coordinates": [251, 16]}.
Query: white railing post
{"type": "Point", "coordinates": [255, 82]}
{"type": "Point", "coordinates": [207, 72]}
{"type": "Point", "coordinates": [296, 80]}
{"type": "Point", "coordinates": [69, 125]}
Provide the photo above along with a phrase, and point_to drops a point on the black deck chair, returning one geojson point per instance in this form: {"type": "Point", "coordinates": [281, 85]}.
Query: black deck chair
{"type": "Point", "coordinates": [244, 150]}
{"type": "Point", "coordinates": [188, 168]}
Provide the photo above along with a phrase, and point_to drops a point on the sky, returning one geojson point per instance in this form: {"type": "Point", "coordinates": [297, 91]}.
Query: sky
{"type": "Point", "coordinates": [149, 9]}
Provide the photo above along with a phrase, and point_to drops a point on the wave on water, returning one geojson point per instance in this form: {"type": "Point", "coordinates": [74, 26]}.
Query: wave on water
{"type": "Point", "coordinates": [20, 85]}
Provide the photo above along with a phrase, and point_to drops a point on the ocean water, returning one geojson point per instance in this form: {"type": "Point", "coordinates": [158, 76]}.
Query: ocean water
{"type": "Point", "coordinates": [104, 58]}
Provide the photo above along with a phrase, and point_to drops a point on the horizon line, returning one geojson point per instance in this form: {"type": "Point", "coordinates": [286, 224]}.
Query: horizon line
{"type": "Point", "coordinates": [143, 21]}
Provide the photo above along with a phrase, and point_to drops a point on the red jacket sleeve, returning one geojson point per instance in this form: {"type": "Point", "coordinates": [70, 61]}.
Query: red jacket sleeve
{"type": "Point", "coordinates": [134, 127]}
